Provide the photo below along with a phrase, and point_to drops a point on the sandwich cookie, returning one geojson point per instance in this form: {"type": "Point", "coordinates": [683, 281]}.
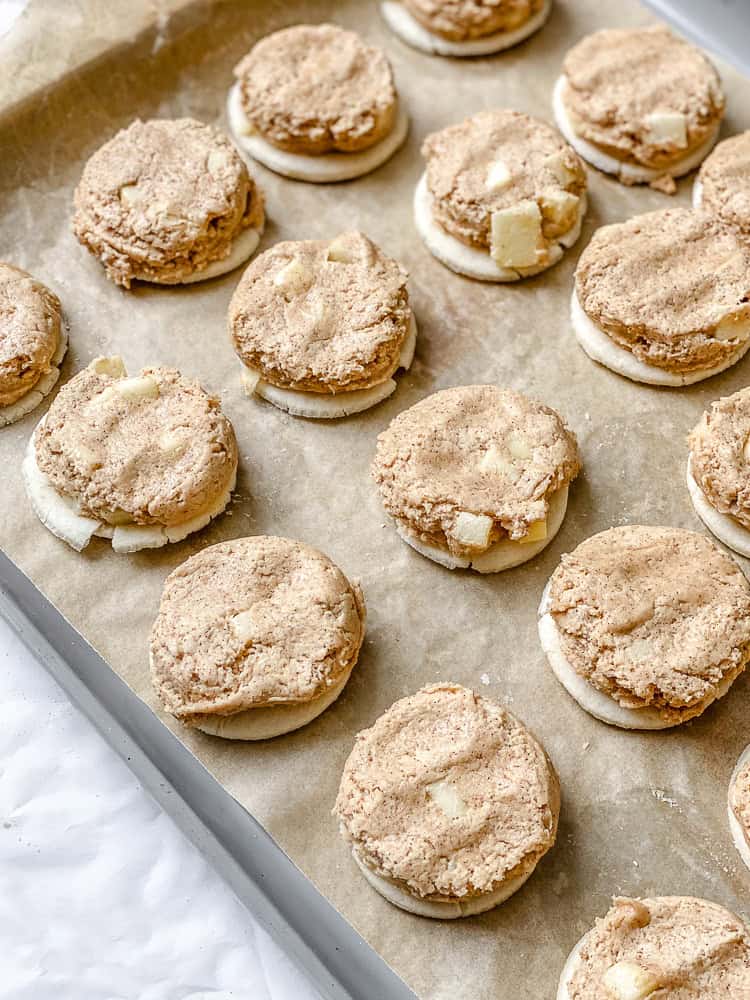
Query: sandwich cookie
{"type": "Point", "coordinates": [476, 476]}
{"type": "Point", "coordinates": [142, 461]}
{"type": "Point", "coordinates": [639, 103]}
{"type": "Point", "coordinates": [739, 806]}
{"type": "Point", "coordinates": [255, 637]}
{"type": "Point", "coordinates": [663, 298]}
{"type": "Point", "coordinates": [321, 326]}
{"type": "Point", "coordinates": [314, 103]}
{"type": "Point", "coordinates": [464, 27]}
{"type": "Point", "coordinates": [668, 946]}
{"type": "Point", "coordinates": [170, 202]}
{"type": "Point", "coordinates": [502, 198]}
{"type": "Point", "coordinates": [33, 342]}
{"type": "Point", "coordinates": [448, 803]}
{"type": "Point", "coordinates": [646, 627]}
{"type": "Point", "coordinates": [722, 187]}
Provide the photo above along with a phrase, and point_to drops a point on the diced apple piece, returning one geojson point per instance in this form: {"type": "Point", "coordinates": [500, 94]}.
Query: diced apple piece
{"type": "Point", "coordinates": [218, 161]}
{"type": "Point", "coordinates": [249, 378]}
{"type": "Point", "coordinates": [557, 163]}
{"type": "Point", "coordinates": [113, 366]}
{"type": "Point", "coordinates": [629, 981]}
{"type": "Point", "coordinates": [518, 446]}
{"type": "Point", "coordinates": [138, 387]}
{"type": "Point", "coordinates": [445, 796]}
{"type": "Point", "coordinates": [340, 252]}
{"type": "Point", "coordinates": [560, 208]}
{"type": "Point", "coordinates": [667, 128]}
{"type": "Point", "coordinates": [516, 235]}
{"type": "Point", "coordinates": [131, 194]}
{"type": "Point", "coordinates": [493, 460]}
{"type": "Point", "coordinates": [537, 532]}
{"type": "Point", "coordinates": [472, 530]}
{"type": "Point", "coordinates": [243, 625]}
{"type": "Point", "coordinates": [498, 176]}
{"type": "Point", "coordinates": [293, 278]}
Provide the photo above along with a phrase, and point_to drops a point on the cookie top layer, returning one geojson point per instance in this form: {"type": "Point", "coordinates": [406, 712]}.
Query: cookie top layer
{"type": "Point", "coordinates": [671, 286]}
{"type": "Point", "coordinates": [495, 160]}
{"type": "Point", "coordinates": [162, 199]}
{"type": "Point", "coordinates": [475, 450]}
{"type": "Point", "coordinates": [317, 89]}
{"type": "Point", "coordinates": [653, 617]}
{"type": "Point", "coordinates": [449, 795]}
{"type": "Point", "coordinates": [151, 449]}
{"type": "Point", "coordinates": [725, 179]}
{"type": "Point", "coordinates": [251, 622]}
{"type": "Point", "coordinates": [642, 95]}
{"type": "Point", "coordinates": [739, 798]}
{"type": "Point", "coordinates": [680, 945]}
{"type": "Point", "coordinates": [321, 315]}
{"type": "Point", "coordinates": [463, 20]}
{"type": "Point", "coordinates": [720, 450]}
{"type": "Point", "coordinates": [30, 330]}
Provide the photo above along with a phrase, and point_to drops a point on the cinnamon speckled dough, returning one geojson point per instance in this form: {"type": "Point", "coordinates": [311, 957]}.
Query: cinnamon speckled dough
{"type": "Point", "coordinates": [653, 617]}
{"type": "Point", "coordinates": [163, 199]}
{"type": "Point", "coordinates": [476, 449]}
{"type": "Point", "coordinates": [461, 20]}
{"type": "Point", "coordinates": [501, 792]}
{"type": "Point", "coordinates": [724, 181]}
{"type": "Point", "coordinates": [317, 89]}
{"type": "Point", "coordinates": [693, 949]}
{"type": "Point", "coordinates": [253, 622]}
{"type": "Point", "coordinates": [322, 315]}
{"type": "Point", "coordinates": [152, 449]}
{"type": "Point", "coordinates": [739, 799]}
{"type": "Point", "coordinates": [672, 287]}
{"type": "Point", "coordinates": [541, 164]}
{"type": "Point", "coordinates": [617, 78]}
{"type": "Point", "coordinates": [30, 332]}
{"type": "Point", "coordinates": [721, 455]}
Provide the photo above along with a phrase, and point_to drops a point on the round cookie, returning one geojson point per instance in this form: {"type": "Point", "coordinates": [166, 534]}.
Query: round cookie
{"type": "Point", "coordinates": [639, 103]}
{"type": "Point", "coordinates": [722, 187]}
{"type": "Point", "coordinates": [255, 637]}
{"type": "Point", "coordinates": [448, 803]}
{"type": "Point", "coordinates": [321, 326]}
{"type": "Point", "coordinates": [663, 298]}
{"type": "Point", "coordinates": [476, 476]}
{"type": "Point", "coordinates": [670, 946]}
{"type": "Point", "coordinates": [168, 201]}
{"type": "Point", "coordinates": [464, 27]}
{"type": "Point", "coordinates": [646, 627]}
{"type": "Point", "coordinates": [314, 103]}
{"type": "Point", "coordinates": [142, 461]}
{"type": "Point", "coordinates": [502, 198]}
{"type": "Point", "coordinates": [739, 806]}
{"type": "Point", "coordinates": [33, 341]}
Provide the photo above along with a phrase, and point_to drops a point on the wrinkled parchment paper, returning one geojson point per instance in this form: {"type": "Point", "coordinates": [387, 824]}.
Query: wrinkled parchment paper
{"type": "Point", "coordinates": [642, 814]}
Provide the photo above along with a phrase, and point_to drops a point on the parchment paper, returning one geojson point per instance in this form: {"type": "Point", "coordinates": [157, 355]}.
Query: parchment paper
{"type": "Point", "coordinates": [642, 814]}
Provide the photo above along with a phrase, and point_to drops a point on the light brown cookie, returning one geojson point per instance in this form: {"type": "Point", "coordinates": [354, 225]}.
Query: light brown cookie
{"type": "Point", "coordinates": [722, 187]}
{"type": "Point", "coordinates": [672, 946]}
{"type": "Point", "coordinates": [641, 104]}
{"type": "Point", "coordinates": [33, 340]}
{"type": "Point", "coordinates": [255, 637]}
{"type": "Point", "coordinates": [663, 297]}
{"type": "Point", "coordinates": [739, 806]}
{"type": "Point", "coordinates": [168, 201]}
{"type": "Point", "coordinates": [144, 460]}
{"type": "Point", "coordinates": [502, 197]}
{"type": "Point", "coordinates": [476, 476]}
{"type": "Point", "coordinates": [646, 627]}
{"type": "Point", "coordinates": [448, 803]}
{"type": "Point", "coordinates": [321, 326]}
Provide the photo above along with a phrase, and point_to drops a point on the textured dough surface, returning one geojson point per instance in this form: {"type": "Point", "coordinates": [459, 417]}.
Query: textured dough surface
{"type": "Point", "coordinates": [448, 795]}
{"type": "Point", "coordinates": [250, 623]}
{"type": "Point", "coordinates": [30, 333]}
{"type": "Point", "coordinates": [163, 200]}
{"type": "Point", "coordinates": [722, 526]}
{"type": "Point", "coordinates": [723, 183]}
{"type": "Point", "coordinates": [464, 20]}
{"type": "Point", "coordinates": [720, 455]}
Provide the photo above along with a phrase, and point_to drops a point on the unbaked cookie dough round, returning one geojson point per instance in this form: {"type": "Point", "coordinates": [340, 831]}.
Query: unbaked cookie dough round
{"type": "Point", "coordinates": [502, 198]}
{"type": "Point", "coordinates": [476, 476]}
{"type": "Point", "coordinates": [722, 187]}
{"type": "Point", "coordinates": [663, 298]}
{"type": "Point", "coordinates": [315, 103]}
{"type": "Point", "coordinates": [33, 341]}
{"type": "Point", "coordinates": [639, 103]}
{"type": "Point", "coordinates": [322, 326]}
{"type": "Point", "coordinates": [448, 803]}
{"type": "Point", "coordinates": [142, 461]}
{"type": "Point", "coordinates": [739, 806]}
{"type": "Point", "coordinates": [168, 201]}
{"type": "Point", "coordinates": [646, 627]}
{"type": "Point", "coordinates": [464, 27]}
{"type": "Point", "coordinates": [668, 946]}
{"type": "Point", "coordinates": [255, 637]}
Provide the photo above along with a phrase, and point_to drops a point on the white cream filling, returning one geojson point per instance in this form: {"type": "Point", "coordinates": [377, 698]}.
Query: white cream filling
{"type": "Point", "coordinates": [738, 834]}
{"type": "Point", "coordinates": [600, 347]}
{"type": "Point", "coordinates": [409, 30]}
{"type": "Point", "coordinates": [448, 910]}
{"type": "Point", "coordinates": [629, 172]}
{"type": "Point", "coordinates": [471, 261]}
{"type": "Point", "coordinates": [322, 169]}
{"type": "Point", "coordinates": [502, 555]}
{"type": "Point", "coordinates": [243, 247]}
{"type": "Point", "coordinates": [42, 387]}
{"type": "Point", "coordinates": [325, 406]}
{"type": "Point", "coordinates": [723, 526]}
{"type": "Point", "coordinates": [698, 194]}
